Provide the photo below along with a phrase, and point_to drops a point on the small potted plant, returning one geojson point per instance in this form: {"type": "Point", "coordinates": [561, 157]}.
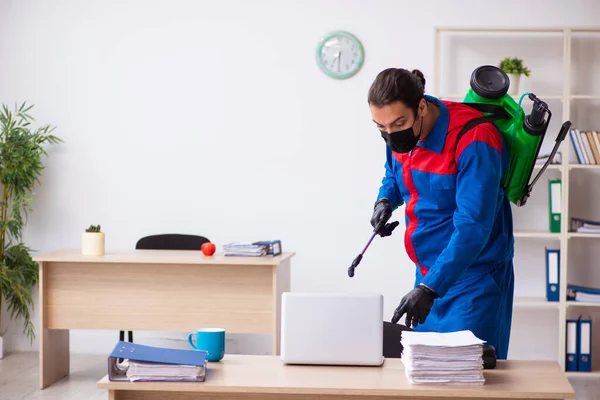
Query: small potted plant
{"type": "Point", "coordinates": [514, 68]}
{"type": "Point", "coordinates": [92, 241]}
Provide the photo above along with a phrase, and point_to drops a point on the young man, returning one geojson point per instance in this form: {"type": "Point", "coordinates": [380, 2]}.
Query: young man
{"type": "Point", "coordinates": [459, 230]}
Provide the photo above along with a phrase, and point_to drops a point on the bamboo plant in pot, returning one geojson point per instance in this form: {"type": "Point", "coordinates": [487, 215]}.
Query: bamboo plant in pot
{"type": "Point", "coordinates": [21, 154]}
{"type": "Point", "coordinates": [514, 68]}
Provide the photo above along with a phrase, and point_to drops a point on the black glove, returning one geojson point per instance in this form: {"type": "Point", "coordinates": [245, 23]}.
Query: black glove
{"type": "Point", "coordinates": [416, 304]}
{"type": "Point", "coordinates": [388, 229]}
{"type": "Point", "coordinates": [382, 212]}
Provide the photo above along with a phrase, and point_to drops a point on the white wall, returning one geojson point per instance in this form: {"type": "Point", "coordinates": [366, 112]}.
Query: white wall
{"type": "Point", "coordinates": [212, 117]}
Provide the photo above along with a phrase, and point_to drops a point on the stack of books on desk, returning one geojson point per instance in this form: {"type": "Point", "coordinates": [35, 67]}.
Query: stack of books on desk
{"type": "Point", "coordinates": [443, 358]}
{"type": "Point", "coordinates": [154, 364]}
{"type": "Point", "coordinates": [253, 249]}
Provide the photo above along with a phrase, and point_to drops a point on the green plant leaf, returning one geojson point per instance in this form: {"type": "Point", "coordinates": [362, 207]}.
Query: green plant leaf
{"type": "Point", "coordinates": [514, 65]}
{"type": "Point", "coordinates": [21, 153]}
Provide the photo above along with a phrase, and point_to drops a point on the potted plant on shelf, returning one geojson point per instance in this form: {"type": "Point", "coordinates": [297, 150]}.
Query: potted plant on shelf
{"type": "Point", "coordinates": [514, 68]}
{"type": "Point", "coordinates": [92, 241]}
{"type": "Point", "coordinates": [21, 152]}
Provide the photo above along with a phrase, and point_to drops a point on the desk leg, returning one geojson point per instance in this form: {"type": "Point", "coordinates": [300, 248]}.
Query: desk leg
{"type": "Point", "coordinates": [281, 284]}
{"type": "Point", "coordinates": [54, 356]}
{"type": "Point", "coordinates": [54, 343]}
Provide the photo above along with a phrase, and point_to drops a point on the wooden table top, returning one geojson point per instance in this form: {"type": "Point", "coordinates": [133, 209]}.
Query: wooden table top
{"type": "Point", "coordinates": [159, 257]}
{"type": "Point", "coordinates": [268, 375]}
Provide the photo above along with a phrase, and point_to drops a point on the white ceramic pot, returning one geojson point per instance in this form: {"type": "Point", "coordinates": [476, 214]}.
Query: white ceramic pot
{"type": "Point", "coordinates": [92, 243]}
{"type": "Point", "coordinates": [1, 347]}
{"type": "Point", "coordinates": [513, 89]}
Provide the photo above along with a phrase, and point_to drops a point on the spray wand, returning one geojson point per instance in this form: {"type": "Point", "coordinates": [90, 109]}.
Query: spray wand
{"type": "Point", "coordinates": [385, 231]}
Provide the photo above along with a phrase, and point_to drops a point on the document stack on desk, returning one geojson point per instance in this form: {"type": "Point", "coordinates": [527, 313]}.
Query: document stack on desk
{"type": "Point", "coordinates": [253, 249]}
{"type": "Point", "coordinates": [146, 363]}
{"type": "Point", "coordinates": [443, 358]}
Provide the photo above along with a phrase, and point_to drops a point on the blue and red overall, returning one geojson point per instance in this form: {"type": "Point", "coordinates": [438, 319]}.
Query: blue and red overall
{"type": "Point", "coordinates": [459, 228]}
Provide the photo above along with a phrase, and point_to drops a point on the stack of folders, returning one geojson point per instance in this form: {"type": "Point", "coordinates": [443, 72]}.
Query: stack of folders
{"type": "Point", "coordinates": [454, 358]}
{"type": "Point", "coordinates": [583, 293]}
{"type": "Point", "coordinates": [584, 225]}
{"type": "Point", "coordinates": [579, 345]}
{"type": "Point", "coordinates": [253, 249]}
{"type": "Point", "coordinates": [152, 364]}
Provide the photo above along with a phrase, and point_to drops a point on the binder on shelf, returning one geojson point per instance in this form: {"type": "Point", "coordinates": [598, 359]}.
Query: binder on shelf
{"type": "Point", "coordinates": [148, 363]}
{"type": "Point", "coordinates": [584, 344]}
{"type": "Point", "coordinates": [571, 364]}
{"type": "Point", "coordinates": [555, 206]}
{"type": "Point", "coordinates": [552, 274]}
{"type": "Point", "coordinates": [584, 225]}
{"type": "Point", "coordinates": [582, 293]}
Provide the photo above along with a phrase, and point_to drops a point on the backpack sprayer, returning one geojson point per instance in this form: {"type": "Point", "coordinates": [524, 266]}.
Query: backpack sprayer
{"type": "Point", "coordinates": [522, 134]}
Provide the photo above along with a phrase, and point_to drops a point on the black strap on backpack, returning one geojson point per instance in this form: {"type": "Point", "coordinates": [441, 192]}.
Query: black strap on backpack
{"type": "Point", "coordinates": [495, 113]}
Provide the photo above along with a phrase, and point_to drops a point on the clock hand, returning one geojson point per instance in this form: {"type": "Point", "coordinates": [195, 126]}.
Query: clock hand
{"type": "Point", "coordinates": [339, 59]}
{"type": "Point", "coordinates": [335, 58]}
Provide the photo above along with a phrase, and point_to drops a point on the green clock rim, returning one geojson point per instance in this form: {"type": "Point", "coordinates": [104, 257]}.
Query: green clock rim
{"type": "Point", "coordinates": [357, 43]}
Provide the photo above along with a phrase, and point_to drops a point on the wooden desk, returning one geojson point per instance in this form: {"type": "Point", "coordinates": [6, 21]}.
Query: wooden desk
{"type": "Point", "coordinates": [265, 378]}
{"type": "Point", "coordinates": [154, 290]}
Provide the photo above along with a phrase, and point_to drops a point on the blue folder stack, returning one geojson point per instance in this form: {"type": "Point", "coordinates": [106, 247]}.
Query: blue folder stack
{"type": "Point", "coordinates": [579, 345]}
{"type": "Point", "coordinates": [147, 363]}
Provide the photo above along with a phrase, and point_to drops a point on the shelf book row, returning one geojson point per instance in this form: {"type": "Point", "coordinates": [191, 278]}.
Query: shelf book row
{"type": "Point", "coordinates": [586, 145]}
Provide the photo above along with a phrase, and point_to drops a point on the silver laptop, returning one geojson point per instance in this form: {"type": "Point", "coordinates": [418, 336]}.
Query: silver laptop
{"type": "Point", "coordinates": [332, 329]}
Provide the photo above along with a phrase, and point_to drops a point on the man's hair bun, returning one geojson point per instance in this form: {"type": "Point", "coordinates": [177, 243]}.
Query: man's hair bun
{"type": "Point", "coordinates": [419, 75]}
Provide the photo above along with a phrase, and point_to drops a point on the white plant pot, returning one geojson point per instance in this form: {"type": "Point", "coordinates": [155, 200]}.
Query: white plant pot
{"type": "Point", "coordinates": [513, 89]}
{"type": "Point", "coordinates": [1, 347]}
{"type": "Point", "coordinates": [92, 243]}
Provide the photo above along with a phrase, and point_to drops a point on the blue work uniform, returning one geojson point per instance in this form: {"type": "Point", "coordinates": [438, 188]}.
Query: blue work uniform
{"type": "Point", "coordinates": [459, 229]}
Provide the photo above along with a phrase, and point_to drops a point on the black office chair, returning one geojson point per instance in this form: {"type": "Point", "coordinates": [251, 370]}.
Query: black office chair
{"type": "Point", "coordinates": [392, 335]}
{"type": "Point", "coordinates": [168, 241]}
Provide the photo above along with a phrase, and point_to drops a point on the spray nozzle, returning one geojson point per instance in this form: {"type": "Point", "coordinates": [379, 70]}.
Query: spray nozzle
{"type": "Point", "coordinates": [536, 123]}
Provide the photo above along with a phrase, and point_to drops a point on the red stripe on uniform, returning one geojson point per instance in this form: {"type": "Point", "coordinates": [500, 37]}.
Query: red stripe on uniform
{"type": "Point", "coordinates": [410, 213]}
{"type": "Point", "coordinates": [428, 161]}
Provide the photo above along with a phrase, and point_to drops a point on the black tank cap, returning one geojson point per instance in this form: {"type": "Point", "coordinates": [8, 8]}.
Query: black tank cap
{"type": "Point", "coordinates": [490, 82]}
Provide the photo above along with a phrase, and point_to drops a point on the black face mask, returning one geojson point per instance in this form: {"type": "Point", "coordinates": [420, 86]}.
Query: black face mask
{"type": "Point", "coordinates": [402, 141]}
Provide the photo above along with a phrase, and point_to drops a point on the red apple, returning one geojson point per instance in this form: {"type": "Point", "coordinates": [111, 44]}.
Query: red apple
{"type": "Point", "coordinates": [208, 248]}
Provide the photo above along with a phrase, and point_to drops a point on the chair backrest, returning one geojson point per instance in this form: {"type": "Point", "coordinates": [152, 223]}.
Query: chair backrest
{"type": "Point", "coordinates": [392, 336]}
{"type": "Point", "coordinates": [171, 241]}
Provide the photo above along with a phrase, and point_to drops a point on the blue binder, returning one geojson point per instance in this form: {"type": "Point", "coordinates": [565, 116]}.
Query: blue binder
{"type": "Point", "coordinates": [584, 345]}
{"type": "Point", "coordinates": [138, 352]}
{"type": "Point", "coordinates": [571, 364]}
{"type": "Point", "coordinates": [552, 274]}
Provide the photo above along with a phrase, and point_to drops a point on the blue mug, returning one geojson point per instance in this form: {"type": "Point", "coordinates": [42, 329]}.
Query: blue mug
{"type": "Point", "coordinates": [211, 340]}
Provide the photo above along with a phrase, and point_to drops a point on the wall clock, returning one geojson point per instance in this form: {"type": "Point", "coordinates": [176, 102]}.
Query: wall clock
{"type": "Point", "coordinates": [340, 55]}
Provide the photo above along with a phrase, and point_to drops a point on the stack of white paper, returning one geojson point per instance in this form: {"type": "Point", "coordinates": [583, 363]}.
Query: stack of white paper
{"type": "Point", "coordinates": [443, 358]}
{"type": "Point", "coordinates": [249, 249]}
{"type": "Point", "coordinates": [150, 371]}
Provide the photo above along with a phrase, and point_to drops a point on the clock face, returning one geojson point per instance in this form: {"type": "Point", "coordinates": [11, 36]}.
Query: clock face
{"type": "Point", "coordinates": [340, 55]}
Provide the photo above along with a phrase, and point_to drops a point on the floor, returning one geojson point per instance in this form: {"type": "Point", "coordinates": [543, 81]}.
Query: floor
{"type": "Point", "coordinates": [19, 379]}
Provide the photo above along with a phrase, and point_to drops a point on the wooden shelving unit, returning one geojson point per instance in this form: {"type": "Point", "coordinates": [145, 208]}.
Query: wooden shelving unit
{"type": "Point", "coordinates": [569, 101]}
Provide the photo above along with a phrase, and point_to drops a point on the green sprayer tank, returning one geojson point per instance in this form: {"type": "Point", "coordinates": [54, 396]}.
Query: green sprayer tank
{"type": "Point", "coordinates": [523, 134]}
